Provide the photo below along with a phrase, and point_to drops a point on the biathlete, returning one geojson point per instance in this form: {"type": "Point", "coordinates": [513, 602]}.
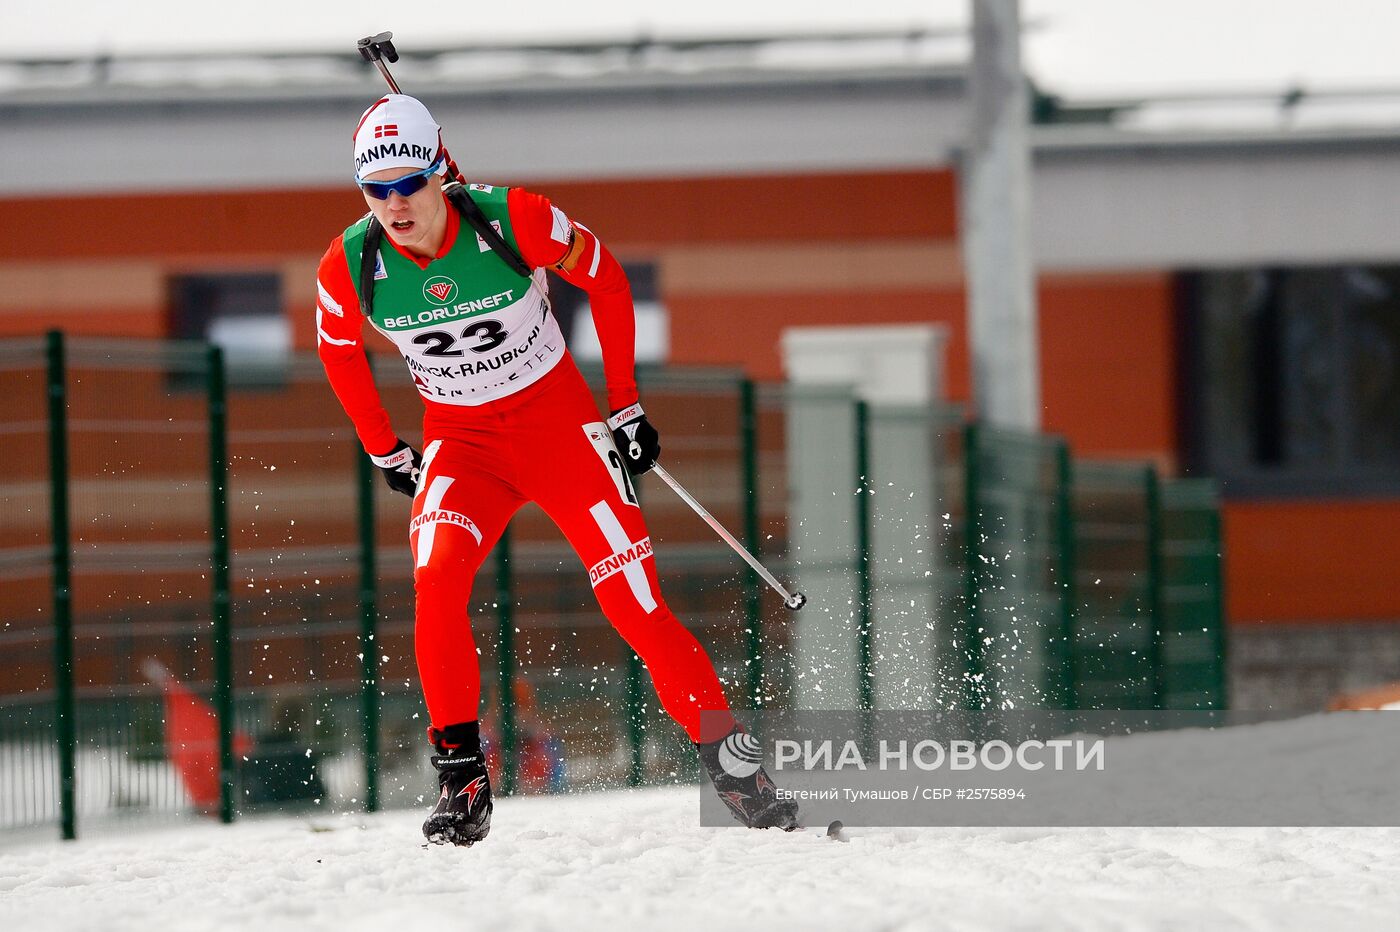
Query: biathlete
{"type": "Point", "coordinates": [454, 277]}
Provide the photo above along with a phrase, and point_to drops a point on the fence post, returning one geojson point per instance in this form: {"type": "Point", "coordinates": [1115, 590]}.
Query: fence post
{"type": "Point", "coordinates": [505, 664]}
{"type": "Point", "coordinates": [865, 664]}
{"type": "Point", "coordinates": [748, 495]}
{"type": "Point", "coordinates": [1222, 676]}
{"type": "Point", "coordinates": [972, 573]}
{"type": "Point", "coordinates": [369, 622]}
{"type": "Point", "coordinates": [219, 560]}
{"type": "Point", "coordinates": [62, 586]}
{"type": "Point", "coordinates": [1154, 586]}
{"type": "Point", "coordinates": [1069, 689]}
{"type": "Point", "coordinates": [635, 711]}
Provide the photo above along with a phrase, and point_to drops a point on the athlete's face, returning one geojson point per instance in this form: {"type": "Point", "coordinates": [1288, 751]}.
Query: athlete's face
{"type": "Point", "coordinates": [417, 223]}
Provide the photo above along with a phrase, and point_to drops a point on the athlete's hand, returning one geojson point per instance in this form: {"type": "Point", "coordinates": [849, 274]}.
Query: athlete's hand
{"type": "Point", "coordinates": [400, 467]}
{"type": "Point", "coordinates": [636, 439]}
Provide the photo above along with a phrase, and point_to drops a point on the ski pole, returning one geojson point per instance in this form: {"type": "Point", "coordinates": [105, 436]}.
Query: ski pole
{"type": "Point", "coordinates": [793, 601]}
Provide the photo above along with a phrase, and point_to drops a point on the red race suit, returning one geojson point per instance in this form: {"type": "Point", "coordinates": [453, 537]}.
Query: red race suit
{"type": "Point", "coordinates": [488, 453]}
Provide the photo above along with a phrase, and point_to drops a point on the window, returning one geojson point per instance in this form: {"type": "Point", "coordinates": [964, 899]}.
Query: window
{"type": "Point", "coordinates": [242, 313]}
{"type": "Point", "coordinates": [1294, 378]}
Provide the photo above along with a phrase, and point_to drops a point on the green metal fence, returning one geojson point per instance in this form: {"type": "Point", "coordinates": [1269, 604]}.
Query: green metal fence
{"type": "Point", "coordinates": [168, 527]}
{"type": "Point", "coordinates": [1019, 551]}
{"type": "Point", "coordinates": [34, 762]}
{"type": "Point", "coordinates": [1191, 590]}
{"type": "Point", "coordinates": [1117, 642]}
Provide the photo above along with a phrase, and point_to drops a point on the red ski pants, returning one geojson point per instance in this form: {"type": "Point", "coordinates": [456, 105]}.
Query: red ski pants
{"type": "Point", "coordinates": [546, 444]}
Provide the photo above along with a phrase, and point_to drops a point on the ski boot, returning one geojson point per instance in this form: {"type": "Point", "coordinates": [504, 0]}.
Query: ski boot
{"type": "Point", "coordinates": [462, 815]}
{"type": "Point", "coordinates": [735, 766]}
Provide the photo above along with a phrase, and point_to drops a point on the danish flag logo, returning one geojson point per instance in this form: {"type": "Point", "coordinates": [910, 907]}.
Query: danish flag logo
{"type": "Point", "coordinates": [386, 129]}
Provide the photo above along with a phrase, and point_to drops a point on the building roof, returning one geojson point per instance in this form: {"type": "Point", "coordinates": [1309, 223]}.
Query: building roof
{"type": "Point", "coordinates": [876, 99]}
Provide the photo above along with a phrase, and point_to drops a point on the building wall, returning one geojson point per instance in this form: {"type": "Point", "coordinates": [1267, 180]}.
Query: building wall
{"type": "Point", "coordinates": [1312, 560]}
{"type": "Point", "coordinates": [1305, 666]}
{"type": "Point", "coordinates": [297, 134]}
{"type": "Point", "coordinates": [739, 258]}
{"type": "Point", "coordinates": [1157, 201]}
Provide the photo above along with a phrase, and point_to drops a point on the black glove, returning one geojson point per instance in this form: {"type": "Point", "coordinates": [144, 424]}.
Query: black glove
{"type": "Point", "coordinates": [400, 467]}
{"type": "Point", "coordinates": [635, 438]}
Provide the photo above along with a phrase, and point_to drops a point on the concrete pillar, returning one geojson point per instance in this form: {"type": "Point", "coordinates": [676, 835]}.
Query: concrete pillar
{"type": "Point", "coordinates": [996, 198]}
{"type": "Point", "coordinates": [898, 370]}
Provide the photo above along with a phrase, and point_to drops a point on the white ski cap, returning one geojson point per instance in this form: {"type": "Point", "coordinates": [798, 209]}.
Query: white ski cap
{"type": "Point", "coordinates": [397, 131]}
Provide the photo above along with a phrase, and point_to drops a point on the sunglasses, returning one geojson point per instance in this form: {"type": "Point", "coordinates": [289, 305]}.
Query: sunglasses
{"type": "Point", "coordinates": [407, 186]}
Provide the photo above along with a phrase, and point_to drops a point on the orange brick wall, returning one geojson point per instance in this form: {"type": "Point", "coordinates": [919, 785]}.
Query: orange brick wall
{"type": "Point", "coordinates": [1108, 364]}
{"type": "Point", "coordinates": [1312, 561]}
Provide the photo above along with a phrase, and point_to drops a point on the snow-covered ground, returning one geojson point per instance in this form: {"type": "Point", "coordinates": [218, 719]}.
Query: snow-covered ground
{"type": "Point", "coordinates": [638, 859]}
